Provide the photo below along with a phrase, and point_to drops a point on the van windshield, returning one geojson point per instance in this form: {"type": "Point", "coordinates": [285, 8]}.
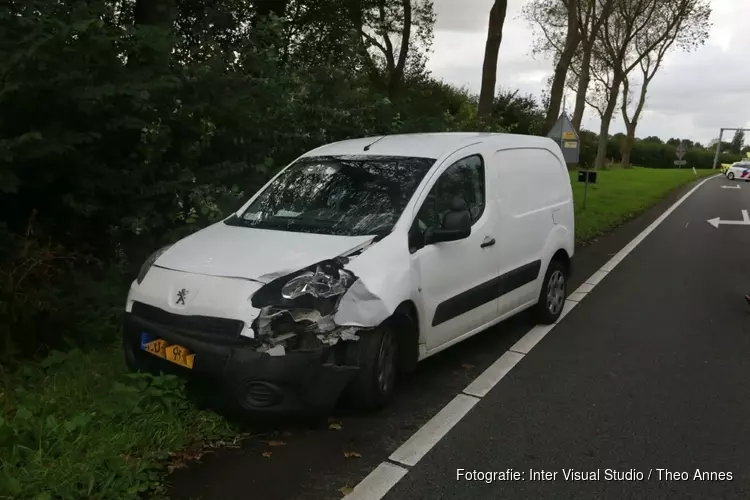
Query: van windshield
{"type": "Point", "coordinates": [341, 195]}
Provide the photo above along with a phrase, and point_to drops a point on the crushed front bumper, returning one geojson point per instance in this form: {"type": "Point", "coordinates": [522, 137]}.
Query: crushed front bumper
{"type": "Point", "coordinates": [302, 381]}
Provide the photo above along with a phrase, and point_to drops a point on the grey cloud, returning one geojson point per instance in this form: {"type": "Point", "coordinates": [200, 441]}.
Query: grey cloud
{"type": "Point", "coordinates": [470, 15]}
{"type": "Point", "coordinates": [462, 15]}
{"type": "Point", "coordinates": [692, 95]}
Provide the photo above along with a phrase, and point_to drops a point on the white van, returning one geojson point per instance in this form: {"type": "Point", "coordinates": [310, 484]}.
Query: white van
{"type": "Point", "coordinates": [355, 262]}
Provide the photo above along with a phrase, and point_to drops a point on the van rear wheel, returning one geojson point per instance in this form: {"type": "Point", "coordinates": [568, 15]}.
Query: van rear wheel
{"type": "Point", "coordinates": [553, 293]}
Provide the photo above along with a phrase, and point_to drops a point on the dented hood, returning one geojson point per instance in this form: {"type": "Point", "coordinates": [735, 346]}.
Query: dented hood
{"type": "Point", "coordinates": [241, 252]}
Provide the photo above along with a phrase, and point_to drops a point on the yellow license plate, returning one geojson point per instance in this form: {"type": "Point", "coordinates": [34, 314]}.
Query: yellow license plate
{"type": "Point", "coordinates": [171, 352]}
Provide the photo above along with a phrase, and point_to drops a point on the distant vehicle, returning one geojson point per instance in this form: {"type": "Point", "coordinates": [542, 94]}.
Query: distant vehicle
{"type": "Point", "coordinates": [739, 170]}
{"type": "Point", "coordinates": [355, 262]}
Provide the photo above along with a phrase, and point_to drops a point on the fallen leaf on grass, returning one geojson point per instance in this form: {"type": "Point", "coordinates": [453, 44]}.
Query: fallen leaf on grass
{"type": "Point", "coordinates": [267, 454]}
{"type": "Point", "coordinates": [276, 443]}
{"type": "Point", "coordinates": [350, 454]}
{"type": "Point", "coordinates": [336, 426]}
{"type": "Point", "coordinates": [346, 490]}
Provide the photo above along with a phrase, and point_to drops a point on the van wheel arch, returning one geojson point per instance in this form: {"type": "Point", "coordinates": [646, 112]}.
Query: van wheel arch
{"type": "Point", "coordinates": [406, 323]}
{"type": "Point", "coordinates": [563, 257]}
{"type": "Point", "coordinates": [400, 332]}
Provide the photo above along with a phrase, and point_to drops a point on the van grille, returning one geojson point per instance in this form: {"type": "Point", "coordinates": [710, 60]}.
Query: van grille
{"type": "Point", "coordinates": [224, 327]}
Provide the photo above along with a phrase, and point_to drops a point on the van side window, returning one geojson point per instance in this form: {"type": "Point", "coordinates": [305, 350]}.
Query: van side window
{"type": "Point", "coordinates": [464, 178]}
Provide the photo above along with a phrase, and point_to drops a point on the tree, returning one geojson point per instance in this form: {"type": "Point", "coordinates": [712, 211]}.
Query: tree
{"type": "Point", "coordinates": [654, 139]}
{"type": "Point", "coordinates": [591, 18]}
{"type": "Point", "coordinates": [552, 19]}
{"type": "Point", "coordinates": [646, 22]}
{"type": "Point", "coordinates": [690, 31]}
{"type": "Point", "coordinates": [379, 23]}
{"type": "Point", "coordinates": [738, 141]}
{"type": "Point", "coordinates": [548, 16]}
{"type": "Point", "coordinates": [491, 53]}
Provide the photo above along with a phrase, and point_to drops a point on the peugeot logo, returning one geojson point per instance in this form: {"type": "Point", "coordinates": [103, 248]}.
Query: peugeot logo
{"type": "Point", "coordinates": [181, 294]}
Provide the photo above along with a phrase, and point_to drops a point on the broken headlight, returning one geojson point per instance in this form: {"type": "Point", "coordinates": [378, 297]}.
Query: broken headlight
{"type": "Point", "coordinates": [150, 262]}
{"type": "Point", "coordinates": [317, 284]}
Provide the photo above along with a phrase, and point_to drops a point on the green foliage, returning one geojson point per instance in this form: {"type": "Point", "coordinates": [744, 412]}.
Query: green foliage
{"type": "Point", "coordinates": [738, 142]}
{"type": "Point", "coordinates": [652, 153]}
{"type": "Point", "coordinates": [621, 194]}
{"type": "Point", "coordinates": [75, 425]}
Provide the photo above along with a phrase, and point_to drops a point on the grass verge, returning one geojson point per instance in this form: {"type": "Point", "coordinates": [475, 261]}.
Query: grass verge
{"type": "Point", "coordinates": [621, 194]}
{"type": "Point", "coordinates": [76, 425]}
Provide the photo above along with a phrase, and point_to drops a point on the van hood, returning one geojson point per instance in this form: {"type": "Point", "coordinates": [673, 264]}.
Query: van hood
{"type": "Point", "coordinates": [255, 254]}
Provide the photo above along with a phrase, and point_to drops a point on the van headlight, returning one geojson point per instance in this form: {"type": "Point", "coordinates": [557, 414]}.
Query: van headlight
{"type": "Point", "coordinates": [317, 284]}
{"type": "Point", "coordinates": [150, 262]}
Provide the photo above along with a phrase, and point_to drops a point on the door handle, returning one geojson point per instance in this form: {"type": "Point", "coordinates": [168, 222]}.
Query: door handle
{"type": "Point", "coordinates": [488, 242]}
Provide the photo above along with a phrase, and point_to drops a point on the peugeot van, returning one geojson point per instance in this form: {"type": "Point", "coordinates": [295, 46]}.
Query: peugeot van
{"type": "Point", "coordinates": [355, 262]}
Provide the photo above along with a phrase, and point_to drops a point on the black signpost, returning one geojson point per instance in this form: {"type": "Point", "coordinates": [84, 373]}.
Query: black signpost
{"type": "Point", "coordinates": [587, 177]}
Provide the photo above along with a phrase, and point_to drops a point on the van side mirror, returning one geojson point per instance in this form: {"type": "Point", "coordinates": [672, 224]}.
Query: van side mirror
{"type": "Point", "coordinates": [456, 224]}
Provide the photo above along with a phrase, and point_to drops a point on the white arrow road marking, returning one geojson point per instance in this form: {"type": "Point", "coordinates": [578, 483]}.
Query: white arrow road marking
{"type": "Point", "coordinates": [744, 222]}
{"type": "Point", "coordinates": [736, 186]}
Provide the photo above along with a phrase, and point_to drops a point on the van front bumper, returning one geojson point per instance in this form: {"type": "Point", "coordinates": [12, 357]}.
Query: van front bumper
{"type": "Point", "coordinates": [302, 381]}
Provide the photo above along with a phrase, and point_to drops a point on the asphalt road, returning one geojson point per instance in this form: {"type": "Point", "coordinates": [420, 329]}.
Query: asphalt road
{"type": "Point", "coordinates": [650, 371]}
{"type": "Point", "coordinates": [637, 375]}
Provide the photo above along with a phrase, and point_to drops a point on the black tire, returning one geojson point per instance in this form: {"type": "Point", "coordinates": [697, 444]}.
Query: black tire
{"type": "Point", "coordinates": [376, 355]}
{"type": "Point", "coordinates": [730, 176]}
{"type": "Point", "coordinates": [551, 302]}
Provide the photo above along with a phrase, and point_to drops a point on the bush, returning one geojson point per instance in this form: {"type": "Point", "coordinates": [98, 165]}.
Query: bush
{"type": "Point", "coordinates": [76, 426]}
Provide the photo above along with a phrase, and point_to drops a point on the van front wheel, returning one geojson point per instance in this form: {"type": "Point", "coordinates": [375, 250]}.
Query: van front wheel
{"type": "Point", "coordinates": [376, 355]}
{"type": "Point", "coordinates": [552, 295]}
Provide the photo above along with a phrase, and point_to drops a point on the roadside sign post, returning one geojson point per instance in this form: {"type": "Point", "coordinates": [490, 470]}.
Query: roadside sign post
{"type": "Point", "coordinates": [586, 176]}
{"type": "Point", "coordinates": [564, 133]}
{"type": "Point", "coordinates": [680, 154]}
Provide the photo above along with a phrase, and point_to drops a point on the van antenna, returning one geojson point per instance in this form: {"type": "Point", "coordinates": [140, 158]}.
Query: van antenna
{"type": "Point", "coordinates": [367, 148]}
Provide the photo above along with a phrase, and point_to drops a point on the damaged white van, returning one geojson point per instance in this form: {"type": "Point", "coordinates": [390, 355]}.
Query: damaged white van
{"type": "Point", "coordinates": [355, 262]}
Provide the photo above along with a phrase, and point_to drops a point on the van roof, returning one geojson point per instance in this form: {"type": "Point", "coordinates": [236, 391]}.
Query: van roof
{"type": "Point", "coordinates": [425, 145]}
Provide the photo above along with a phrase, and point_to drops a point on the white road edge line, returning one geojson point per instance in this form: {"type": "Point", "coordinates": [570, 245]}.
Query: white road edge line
{"type": "Point", "coordinates": [377, 484]}
{"type": "Point", "coordinates": [433, 431]}
{"type": "Point", "coordinates": [492, 375]}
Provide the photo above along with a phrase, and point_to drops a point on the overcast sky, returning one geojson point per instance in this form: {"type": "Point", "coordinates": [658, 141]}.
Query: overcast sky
{"type": "Point", "coordinates": [692, 96]}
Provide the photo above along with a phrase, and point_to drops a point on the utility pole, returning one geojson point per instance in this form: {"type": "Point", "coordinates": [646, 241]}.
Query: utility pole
{"type": "Point", "coordinates": [718, 144]}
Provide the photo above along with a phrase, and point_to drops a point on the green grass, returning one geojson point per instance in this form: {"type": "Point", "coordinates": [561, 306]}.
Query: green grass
{"type": "Point", "coordinates": [621, 194]}
{"type": "Point", "coordinates": [78, 426]}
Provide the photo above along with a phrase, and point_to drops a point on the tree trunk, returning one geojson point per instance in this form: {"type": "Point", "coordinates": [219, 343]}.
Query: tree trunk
{"type": "Point", "coordinates": [583, 86]}
{"type": "Point", "coordinates": [572, 39]}
{"type": "Point", "coordinates": [601, 152]}
{"type": "Point", "coordinates": [396, 77]}
{"type": "Point", "coordinates": [627, 148]}
{"type": "Point", "coordinates": [491, 52]}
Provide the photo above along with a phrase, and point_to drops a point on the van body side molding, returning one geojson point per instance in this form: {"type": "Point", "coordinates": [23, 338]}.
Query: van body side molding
{"type": "Point", "coordinates": [486, 292]}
